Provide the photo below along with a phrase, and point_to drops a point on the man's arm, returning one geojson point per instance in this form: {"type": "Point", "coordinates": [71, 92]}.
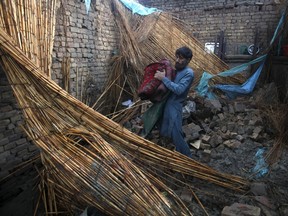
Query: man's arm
{"type": "Point", "coordinates": [181, 86]}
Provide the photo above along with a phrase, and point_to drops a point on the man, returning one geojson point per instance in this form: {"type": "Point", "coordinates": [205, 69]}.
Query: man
{"type": "Point", "coordinates": [171, 123]}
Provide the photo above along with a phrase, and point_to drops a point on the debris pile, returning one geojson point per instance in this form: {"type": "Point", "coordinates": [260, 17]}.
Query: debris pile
{"type": "Point", "coordinates": [217, 129]}
{"type": "Point", "coordinates": [235, 137]}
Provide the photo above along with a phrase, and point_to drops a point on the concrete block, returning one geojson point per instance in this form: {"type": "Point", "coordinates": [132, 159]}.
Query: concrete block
{"type": "Point", "coordinates": [238, 209]}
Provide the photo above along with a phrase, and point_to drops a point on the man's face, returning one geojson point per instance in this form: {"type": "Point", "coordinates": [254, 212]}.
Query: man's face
{"type": "Point", "coordinates": [181, 62]}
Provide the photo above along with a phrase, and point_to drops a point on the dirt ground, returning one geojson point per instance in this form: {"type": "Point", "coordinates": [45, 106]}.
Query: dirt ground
{"type": "Point", "coordinates": [235, 149]}
{"type": "Point", "coordinates": [269, 190]}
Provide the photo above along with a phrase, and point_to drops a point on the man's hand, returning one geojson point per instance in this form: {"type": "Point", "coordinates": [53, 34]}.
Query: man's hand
{"type": "Point", "coordinates": [159, 75]}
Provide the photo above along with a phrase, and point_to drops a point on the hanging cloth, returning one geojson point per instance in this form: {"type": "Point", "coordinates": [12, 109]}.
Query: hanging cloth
{"type": "Point", "coordinates": [87, 3]}
{"type": "Point", "coordinates": [153, 115]}
{"type": "Point", "coordinates": [137, 8]}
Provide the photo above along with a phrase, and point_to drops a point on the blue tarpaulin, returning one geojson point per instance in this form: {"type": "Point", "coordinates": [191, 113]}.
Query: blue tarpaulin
{"type": "Point", "coordinates": [281, 21]}
{"type": "Point", "coordinates": [137, 8]}
{"type": "Point", "coordinates": [87, 3]}
{"type": "Point", "coordinates": [204, 89]}
{"type": "Point", "coordinates": [261, 168]}
{"type": "Point", "coordinates": [232, 91]}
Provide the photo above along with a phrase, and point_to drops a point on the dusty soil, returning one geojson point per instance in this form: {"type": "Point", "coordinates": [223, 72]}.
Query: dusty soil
{"type": "Point", "coordinates": [269, 191]}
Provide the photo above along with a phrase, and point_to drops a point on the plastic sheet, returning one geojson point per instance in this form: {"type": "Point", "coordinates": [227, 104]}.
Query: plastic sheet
{"type": "Point", "coordinates": [204, 89]}
{"type": "Point", "coordinates": [261, 167]}
{"type": "Point", "coordinates": [189, 108]}
{"type": "Point", "coordinates": [137, 8]}
{"type": "Point", "coordinates": [87, 3]}
{"type": "Point", "coordinates": [232, 91]}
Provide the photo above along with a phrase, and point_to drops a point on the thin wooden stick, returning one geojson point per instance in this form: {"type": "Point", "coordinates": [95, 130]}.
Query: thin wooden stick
{"type": "Point", "coordinates": [90, 159]}
{"type": "Point", "coordinates": [77, 83]}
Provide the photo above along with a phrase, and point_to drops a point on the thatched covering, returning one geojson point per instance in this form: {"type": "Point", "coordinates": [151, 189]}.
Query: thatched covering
{"type": "Point", "coordinates": [88, 158]}
{"type": "Point", "coordinates": [29, 23]}
{"type": "Point", "coordinates": [147, 39]}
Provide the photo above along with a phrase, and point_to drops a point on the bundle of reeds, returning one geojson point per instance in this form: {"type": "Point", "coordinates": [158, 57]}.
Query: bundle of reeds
{"type": "Point", "coordinates": [88, 158]}
{"type": "Point", "coordinates": [32, 25]}
{"type": "Point", "coordinates": [65, 69]}
{"type": "Point", "coordinates": [147, 39]}
{"type": "Point", "coordinates": [127, 65]}
{"type": "Point", "coordinates": [50, 112]}
{"type": "Point", "coordinates": [168, 34]}
{"type": "Point", "coordinates": [278, 115]}
{"type": "Point", "coordinates": [83, 167]}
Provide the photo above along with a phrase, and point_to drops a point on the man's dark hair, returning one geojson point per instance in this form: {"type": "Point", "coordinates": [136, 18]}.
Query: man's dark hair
{"type": "Point", "coordinates": [184, 52]}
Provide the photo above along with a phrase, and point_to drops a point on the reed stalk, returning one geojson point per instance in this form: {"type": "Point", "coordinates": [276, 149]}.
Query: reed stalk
{"type": "Point", "coordinates": [88, 158]}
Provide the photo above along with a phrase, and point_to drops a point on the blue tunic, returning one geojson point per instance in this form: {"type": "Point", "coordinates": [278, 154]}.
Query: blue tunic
{"type": "Point", "coordinates": [171, 125]}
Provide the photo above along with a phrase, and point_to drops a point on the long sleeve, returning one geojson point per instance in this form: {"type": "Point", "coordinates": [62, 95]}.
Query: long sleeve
{"type": "Point", "coordinates": [180, 84]}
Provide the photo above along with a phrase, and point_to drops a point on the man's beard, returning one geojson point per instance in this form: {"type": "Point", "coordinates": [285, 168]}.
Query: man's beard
{"type": "Point", "coordinates": [180, 66]}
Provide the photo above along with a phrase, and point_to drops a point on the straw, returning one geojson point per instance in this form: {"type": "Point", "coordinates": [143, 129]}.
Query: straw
{"type": "Point", "coordinates": [88, 158]}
